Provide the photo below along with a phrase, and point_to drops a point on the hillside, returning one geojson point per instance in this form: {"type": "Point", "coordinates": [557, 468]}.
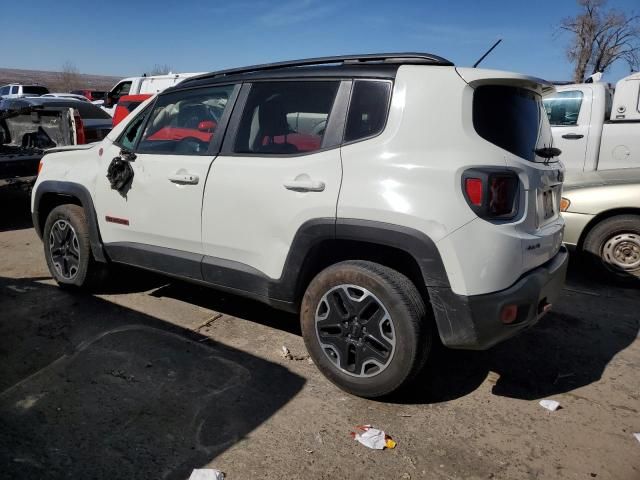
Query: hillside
{"type": "Point", "coordinates": [53, 80]}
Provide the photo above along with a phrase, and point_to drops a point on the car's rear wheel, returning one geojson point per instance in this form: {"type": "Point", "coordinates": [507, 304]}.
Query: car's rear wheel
{"type": "Point", "coordinates": [614, 244]}
{"type": "Point", "coordinates": [67, 248]}
{"type": "Point", "coordinates": [365, 327]}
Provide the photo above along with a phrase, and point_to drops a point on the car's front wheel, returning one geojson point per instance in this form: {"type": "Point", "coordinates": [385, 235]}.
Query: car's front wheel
{"type": "Point", "coordinates": [365, 327]}
{"type": "Point", "coordinates": [67, 248]}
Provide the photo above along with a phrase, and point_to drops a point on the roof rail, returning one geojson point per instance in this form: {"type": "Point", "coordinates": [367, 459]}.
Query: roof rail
{"type": "Point", "coordinates": [561, 82]}
{"type": "Point", "coordinates": [394, 58]}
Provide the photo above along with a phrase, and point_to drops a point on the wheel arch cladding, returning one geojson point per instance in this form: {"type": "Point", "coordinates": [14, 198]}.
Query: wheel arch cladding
{"type": "Point", "coordinates": [50, 194]}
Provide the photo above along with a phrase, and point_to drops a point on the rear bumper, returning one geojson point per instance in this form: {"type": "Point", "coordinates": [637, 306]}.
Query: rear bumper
{"type": "Point", "coordinates": [473, 322]}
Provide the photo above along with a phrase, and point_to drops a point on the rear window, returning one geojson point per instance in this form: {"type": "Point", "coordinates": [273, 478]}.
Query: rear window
{"type": "Point", "coordinates": [87, 110]}
{"type": "Point", "coordinates": [34, 90]}
{"type": "Point", "coordinates": [508, 117]}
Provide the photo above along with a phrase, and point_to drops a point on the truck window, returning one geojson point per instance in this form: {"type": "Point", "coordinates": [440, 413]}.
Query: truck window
{"type": "Point", "coordinates": [14, 89]}
{"type": "Point", "coordinates": [34, 90]}
{"type": "Point", "coordinates": [563, 108]}
{"type": "Point", "coordinates": [122, 89]}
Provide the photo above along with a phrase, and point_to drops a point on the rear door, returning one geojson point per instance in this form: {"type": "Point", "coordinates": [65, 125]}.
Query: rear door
{"type": "Point", "coordinates": [569, 113]}
{"type": "Point", "coordinates": [159, 217]}
{"type": "Point", "coordinates": [279, 168]}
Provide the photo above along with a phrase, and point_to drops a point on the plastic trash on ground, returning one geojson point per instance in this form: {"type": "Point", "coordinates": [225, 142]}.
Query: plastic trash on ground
{"type": "Point", "coordinates": [372, 437]}
{"type": "Point", "coordinates": [206, 474]}
{"type": "Point", "coordinates": [637, 435]}
{"type": "Point", "coordinates": [551, 405]}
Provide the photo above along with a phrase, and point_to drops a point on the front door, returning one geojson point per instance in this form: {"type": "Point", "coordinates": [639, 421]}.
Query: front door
{"type": "Point", "coordinates": [570, 118]}
{"type": "Point", "coordinates": [157, 219]}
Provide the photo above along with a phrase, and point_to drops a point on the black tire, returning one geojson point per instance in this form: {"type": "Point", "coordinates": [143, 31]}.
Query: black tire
{"type": "Point", "coordinates": [614, 247]}
{"type": "Point", "coordinates": [88, 273]}
{"type": "Point", "coordinates": [404, 320]}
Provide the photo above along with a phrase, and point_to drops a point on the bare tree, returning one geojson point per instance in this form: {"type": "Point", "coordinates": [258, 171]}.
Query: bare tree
{"type": "Point", "coordinates": [601, 37]}
{"type": "Point", "coordinates": [70, 77]}
{"type": "Point", "coordinates": [160, 69]}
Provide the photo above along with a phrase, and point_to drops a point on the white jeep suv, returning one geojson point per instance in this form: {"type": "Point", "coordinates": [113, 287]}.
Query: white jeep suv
{"type": "Point", "coordinates": [386, 198]}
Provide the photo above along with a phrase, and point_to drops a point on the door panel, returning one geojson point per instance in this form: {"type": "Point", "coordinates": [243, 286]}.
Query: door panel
{"type": "Point", "coordinates": [250, 216]}
{"type": "Point", "coordinates": [570, 117]}
{"type": "Point", "coordinates": [279, 168]}
{"type": "Point", "coordinates": [174, 149]}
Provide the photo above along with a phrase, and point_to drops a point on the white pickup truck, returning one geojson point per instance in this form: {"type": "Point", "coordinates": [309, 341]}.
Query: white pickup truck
{"type": "Point", "coordinates": [596, 127]}
{"type": "Point", "coordinates": [142, 85]}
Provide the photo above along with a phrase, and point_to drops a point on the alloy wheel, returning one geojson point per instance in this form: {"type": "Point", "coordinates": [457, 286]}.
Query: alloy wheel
{"type": "Point", "coordinates": [355, 330]}
{"type": "Point", "coordinates": [64, 249]}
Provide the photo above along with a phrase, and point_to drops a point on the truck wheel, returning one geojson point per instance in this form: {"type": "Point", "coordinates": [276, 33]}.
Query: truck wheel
{"type": "Point", "coordinates": [365, 327]}
{"type": "Point", "coordinates": [614, 244]}
{"type": "Point", "coordinates": [67, 249]}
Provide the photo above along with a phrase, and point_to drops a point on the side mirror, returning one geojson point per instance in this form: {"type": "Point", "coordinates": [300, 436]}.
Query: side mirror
{"type": "Point", "coordinates": [110, 100]}
{"type": "Point", "coordinates": [127, 155]}
{"type": "Point", "coordinates": [207, 126]}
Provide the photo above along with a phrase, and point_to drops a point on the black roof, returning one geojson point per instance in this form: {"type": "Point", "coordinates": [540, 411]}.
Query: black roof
{"type": "Point", "coordinates": [377, 65]}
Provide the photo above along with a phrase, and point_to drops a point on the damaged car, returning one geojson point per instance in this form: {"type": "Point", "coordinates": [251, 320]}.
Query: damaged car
{"type": "Point", "coordinates": [31, 126]}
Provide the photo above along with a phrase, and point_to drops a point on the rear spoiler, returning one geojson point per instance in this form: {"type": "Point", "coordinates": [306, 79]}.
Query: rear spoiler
{"type": "Point", "coordinates": [479, 76]}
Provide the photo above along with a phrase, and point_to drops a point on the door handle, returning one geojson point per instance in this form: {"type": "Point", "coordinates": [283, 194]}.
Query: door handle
{"type": "Point", "coordinates": [184, 178]}
{"type": "Point", "coordinates": [305, 185]}
{"type": "Point", "coordinates": [572, 136]}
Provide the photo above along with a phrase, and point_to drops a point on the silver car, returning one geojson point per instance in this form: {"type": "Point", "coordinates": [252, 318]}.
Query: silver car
{"type": "Point", "coordinates": [602, 214]}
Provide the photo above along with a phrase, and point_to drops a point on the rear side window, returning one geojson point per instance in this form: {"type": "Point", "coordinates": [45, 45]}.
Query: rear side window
{"type": "Point", "coordinates": [368, 109]}
{"type": "Point", "coordinates": [285, 118]}
{"type": "Point", "coordinates": [33, 90]}
{"type": "Point", "coordinates": [508, 117]}
{"type": "Point", "coordinates": [184, 122]}
{"type": "Point", "coordinates": [563, 108]}
{"type": "Point", "coordinates": [14, 89]}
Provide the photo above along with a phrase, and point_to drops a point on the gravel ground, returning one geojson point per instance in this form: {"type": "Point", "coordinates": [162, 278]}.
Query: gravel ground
{"type": "Point", "coordinates": [153, 377]}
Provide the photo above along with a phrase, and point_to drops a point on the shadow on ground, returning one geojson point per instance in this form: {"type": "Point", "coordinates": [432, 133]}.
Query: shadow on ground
{"type": "Point", "coordinates": [89, 389]}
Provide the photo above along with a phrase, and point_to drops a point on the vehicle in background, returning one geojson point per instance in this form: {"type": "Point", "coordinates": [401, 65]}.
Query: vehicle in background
{"type": "Point", "coordinates": [92, 123]}
{"type": "Point", "coordinates": [66, 95]}
{"type": "Point", "coordinates": [142, 85]}
{"type": "Point", "coordinates": [126, 105]}
{"type": "Point", "coordinates": [601, 210]}
{"type": "Point", "coordinates": [91, 95]}
{"type": "Point", "coordinates": [17, 90]}
{"type": "Point", "coordinates": [595, 127]}
{"type": "Point", "coordinates": [27, 130]}
{"type": "Point", "coordinates": [320, 186]}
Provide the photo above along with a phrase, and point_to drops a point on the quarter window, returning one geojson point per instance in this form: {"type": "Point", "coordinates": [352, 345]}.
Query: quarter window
{"type": "Point", "coordinates": [285, 118]}
{"type": "Point", "coordinates": [368, 110]}
{"type": "Point", "coordinates": [185, 122]}
{"type": "Point", "coordinates": [564, 107]}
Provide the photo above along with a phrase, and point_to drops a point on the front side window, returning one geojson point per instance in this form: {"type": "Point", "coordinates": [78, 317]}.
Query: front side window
{"type": "Point", "coordinates": [563, 108]}
{"type": "Point", "coordinates": [185, 122]}
{"type": "Point", "coordinates": [122, 89]}
{"type": "Point", "coordinates": [132, 133]}
{"type": "Point", "coordinates": [285, 118]}
{"type": "Point", "coordinates": [5, 90]}
{"type": "Point", "coordinates": [368, 109]}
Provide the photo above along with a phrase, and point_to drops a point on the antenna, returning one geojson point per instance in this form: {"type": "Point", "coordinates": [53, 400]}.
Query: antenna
{"type": "Point", "coordinates": [487, 53]}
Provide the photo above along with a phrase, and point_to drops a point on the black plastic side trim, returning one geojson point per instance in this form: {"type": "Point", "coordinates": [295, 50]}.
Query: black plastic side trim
{"type": "Point", "coordinates": [167, 260]}
{"type": "Point", "coordinates": [284, 292]}
{"type": "Point", "coordinates": [82, 194]}
{"type": "Point", "coordinates": [414, 242]}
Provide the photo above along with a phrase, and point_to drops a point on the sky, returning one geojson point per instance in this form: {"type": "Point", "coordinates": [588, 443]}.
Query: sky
{"type": "Point", "coordinates": [124, 38]}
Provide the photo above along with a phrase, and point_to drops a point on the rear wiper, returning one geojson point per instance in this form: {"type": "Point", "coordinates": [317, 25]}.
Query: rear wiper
{"type": "Point", "coordinates": [548, 152]}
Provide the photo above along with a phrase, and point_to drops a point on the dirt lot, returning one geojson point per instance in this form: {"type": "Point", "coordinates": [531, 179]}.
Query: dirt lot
{"type": "Point", "coordinates": [153, 378]}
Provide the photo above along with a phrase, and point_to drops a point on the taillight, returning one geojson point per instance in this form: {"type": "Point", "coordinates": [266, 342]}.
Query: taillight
{"type": "Point", "coordinates": [39, 167]}
{"type": "Point", "coordinates": [81, 137]}
{"type": "Point", "coordinates": [491, 194]}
